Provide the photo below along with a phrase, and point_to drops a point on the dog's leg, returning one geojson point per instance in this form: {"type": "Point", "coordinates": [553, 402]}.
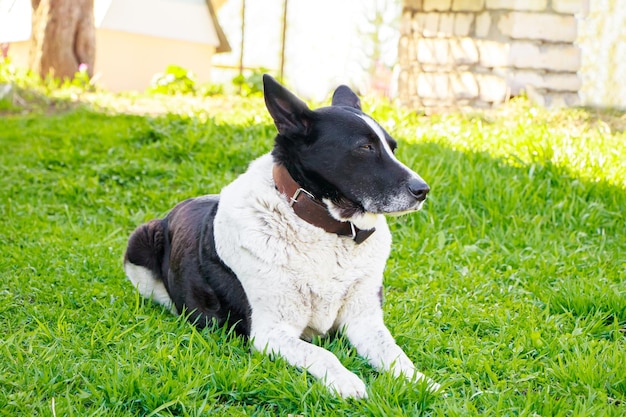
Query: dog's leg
{"type": "Point", "coordinates": [320, 363]}
{"type": "Point", "coordinates": [367, 332]}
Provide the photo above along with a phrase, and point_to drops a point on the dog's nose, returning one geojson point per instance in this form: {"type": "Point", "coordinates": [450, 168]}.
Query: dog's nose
{"type": "Point", "coordinates": [418, 188]}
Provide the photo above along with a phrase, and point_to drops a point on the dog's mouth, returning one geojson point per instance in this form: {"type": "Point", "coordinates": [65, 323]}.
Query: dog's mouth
{"type": "Point", "coordinates": [365, 215]}
{"type": "Point", "coordinates": [418, 206]}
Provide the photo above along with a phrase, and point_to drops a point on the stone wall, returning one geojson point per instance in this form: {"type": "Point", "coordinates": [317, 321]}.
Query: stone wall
{"type": "Point", "coordinates": [481, 52]}
{"type": "Point", "coordinates": [602, 40]}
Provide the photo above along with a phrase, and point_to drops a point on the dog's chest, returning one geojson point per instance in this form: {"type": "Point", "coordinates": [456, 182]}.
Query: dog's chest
{"type": "Point", "coordinates": [326, 288]}
{"type": "Point", "coordinates": [322, 315]}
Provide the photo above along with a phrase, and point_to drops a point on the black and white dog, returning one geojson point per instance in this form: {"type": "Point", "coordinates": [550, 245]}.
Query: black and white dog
{"type": "Point", "coordinates": [294, 247]}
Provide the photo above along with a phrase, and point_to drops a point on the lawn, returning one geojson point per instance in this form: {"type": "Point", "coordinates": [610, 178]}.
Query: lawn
{"type": "Point", "coordinates": [509, 287]}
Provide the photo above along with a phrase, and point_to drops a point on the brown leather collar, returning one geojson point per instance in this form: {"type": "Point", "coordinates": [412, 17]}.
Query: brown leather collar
{"type": "Point", "coordinates": [312, 210]}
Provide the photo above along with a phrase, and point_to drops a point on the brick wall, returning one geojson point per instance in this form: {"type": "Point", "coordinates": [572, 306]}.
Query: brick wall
{"type": "Point", "coordinates": [480, 52]}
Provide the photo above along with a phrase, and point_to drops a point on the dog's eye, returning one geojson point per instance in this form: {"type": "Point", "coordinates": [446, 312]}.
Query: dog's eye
{"type": "Point", "coordinates": [367, 147]}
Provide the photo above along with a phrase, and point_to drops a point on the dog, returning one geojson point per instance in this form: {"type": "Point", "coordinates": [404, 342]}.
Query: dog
{"type": "Point", "coordinates": [294, 247]}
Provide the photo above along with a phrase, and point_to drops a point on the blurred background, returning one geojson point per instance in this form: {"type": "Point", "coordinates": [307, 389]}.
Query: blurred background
{"type": "Point", "coordinates": [422, 52]}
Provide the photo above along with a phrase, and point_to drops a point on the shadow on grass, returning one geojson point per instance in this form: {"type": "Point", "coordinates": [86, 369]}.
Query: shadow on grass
{"type": "Point", "coordinates": [19, 101]}
{"type": "Point", "coordinates": [615, 119]}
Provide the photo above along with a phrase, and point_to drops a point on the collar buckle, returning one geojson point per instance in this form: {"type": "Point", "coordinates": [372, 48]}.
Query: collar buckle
{"type": "Point", "coordinates": [293, 200]}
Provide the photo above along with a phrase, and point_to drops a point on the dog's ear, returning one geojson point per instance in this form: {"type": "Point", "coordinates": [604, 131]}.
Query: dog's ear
{"type": "Point", "coordinates": [291, 115]}
{"type": "Point", "coordinates": [344, 96]}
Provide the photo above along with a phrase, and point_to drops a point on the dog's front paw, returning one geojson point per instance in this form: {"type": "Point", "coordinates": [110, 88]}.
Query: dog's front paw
{"type": "Point", "coordinates": [415, 376]}
{"type": "Point", "coordinates": [346, 385]}
{"type": "Point", "coordinates": [420, 378]}
{"type": "Point", "coordinates": [430, 384]}
{"type": "Point", "coordinates": [404, 367]}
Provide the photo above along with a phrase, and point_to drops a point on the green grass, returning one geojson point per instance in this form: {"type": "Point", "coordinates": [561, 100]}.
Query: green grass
{"type": "Point", "coordinates": [509, 288]}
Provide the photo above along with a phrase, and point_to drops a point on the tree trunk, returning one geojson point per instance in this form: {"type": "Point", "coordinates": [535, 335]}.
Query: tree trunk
{"type": "Point", "coordinates": [64, 37]}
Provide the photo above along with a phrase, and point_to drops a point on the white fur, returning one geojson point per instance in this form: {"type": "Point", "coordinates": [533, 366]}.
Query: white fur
{"type": "Point", "coordinates": [301, 281]}
{"type": "Point", "coordinates": [380, 134]}
{"type": "Point", "coordinates": [364, 221]}
{"type": "Point", "coordinates": [148, 286]}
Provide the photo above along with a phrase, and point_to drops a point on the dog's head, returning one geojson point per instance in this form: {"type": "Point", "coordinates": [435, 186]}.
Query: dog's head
{"type": "Point", "coordinates": [342, 156]}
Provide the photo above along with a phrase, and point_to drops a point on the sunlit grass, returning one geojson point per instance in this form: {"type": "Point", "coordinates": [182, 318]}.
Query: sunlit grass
{"type": "Point", "coordinates": [509, 288]}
